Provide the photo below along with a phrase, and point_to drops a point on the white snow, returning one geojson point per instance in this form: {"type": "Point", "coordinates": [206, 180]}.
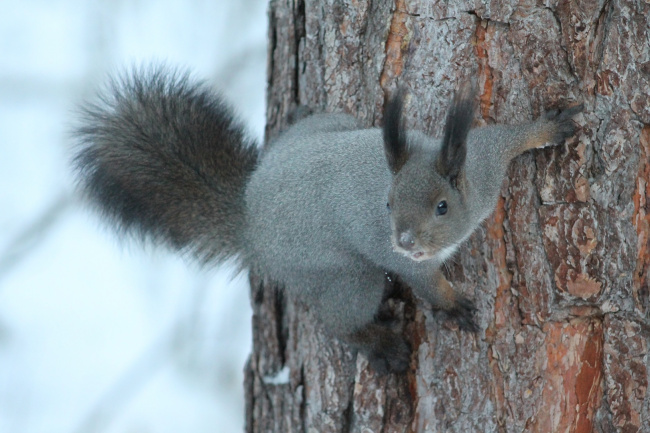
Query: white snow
{"type": "Point", "coordinates": [97, 335]}
{"type": "Point", "coordinates": [280, 378]}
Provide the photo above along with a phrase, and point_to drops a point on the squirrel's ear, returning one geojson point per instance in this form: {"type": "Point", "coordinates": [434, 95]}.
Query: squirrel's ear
{"type": "Point", "coordinates": [395, 144]}
{"type": "Point", "coordinates": [458, 124]}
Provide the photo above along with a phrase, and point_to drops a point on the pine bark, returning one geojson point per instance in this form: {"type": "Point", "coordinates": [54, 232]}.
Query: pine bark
{"type": "Point", "coordinates": [559, 272]}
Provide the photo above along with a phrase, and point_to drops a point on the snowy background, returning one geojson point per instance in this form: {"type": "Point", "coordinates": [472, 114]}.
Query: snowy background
{"type": "Point", "coordinates": [96, 335]}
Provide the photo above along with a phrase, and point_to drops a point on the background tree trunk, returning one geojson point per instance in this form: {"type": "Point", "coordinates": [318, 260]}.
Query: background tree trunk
{"type": "Point", "coordinates": [559, 272]}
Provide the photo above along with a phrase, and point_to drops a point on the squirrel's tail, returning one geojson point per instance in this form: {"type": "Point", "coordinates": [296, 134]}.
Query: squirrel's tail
{"type": "Point", "coordinates": [166, 159]}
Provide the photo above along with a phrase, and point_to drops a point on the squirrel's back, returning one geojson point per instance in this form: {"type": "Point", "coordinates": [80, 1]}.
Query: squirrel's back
{"type": "Point", "coordinates": [322, 190]}
{"type": "Point", "coordinates": [165, 159]}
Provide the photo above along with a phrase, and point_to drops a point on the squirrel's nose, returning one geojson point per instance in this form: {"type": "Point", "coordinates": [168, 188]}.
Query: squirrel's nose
{"type": "Point", "coordinates": [406, 240]}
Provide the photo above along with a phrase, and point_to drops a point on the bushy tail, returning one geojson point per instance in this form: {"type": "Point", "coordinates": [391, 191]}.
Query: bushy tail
{"type": "Point", "coordinates": [166, 159]}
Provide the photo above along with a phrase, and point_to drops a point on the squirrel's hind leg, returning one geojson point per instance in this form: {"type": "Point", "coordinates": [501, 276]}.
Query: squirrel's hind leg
{"type": "Point", "coordinates": [348, 307]}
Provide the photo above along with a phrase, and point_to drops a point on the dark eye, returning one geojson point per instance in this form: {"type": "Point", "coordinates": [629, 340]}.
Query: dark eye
{"type": "Point", "coordinates": [388, 206]}
{"type": "Point", "coordinates": [441, 209]}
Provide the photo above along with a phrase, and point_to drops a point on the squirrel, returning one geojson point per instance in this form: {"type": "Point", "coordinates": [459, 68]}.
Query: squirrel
{"type": "Point", "coordinates": [327, 209]}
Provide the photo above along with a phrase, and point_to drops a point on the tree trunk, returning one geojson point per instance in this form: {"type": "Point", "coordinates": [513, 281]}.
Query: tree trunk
{"type": "Point", "coordinates": [559, 272]}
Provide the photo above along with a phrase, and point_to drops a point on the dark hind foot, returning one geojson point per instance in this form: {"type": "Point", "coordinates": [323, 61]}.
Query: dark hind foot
{"type": "Point", "coordinates": [387, 351]}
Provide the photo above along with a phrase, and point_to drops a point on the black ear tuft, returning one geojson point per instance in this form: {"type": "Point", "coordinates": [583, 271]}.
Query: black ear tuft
{"type": "Point", "coordinates": [395, 144]}
{"type": "Point", "coordinates": [458, 124]}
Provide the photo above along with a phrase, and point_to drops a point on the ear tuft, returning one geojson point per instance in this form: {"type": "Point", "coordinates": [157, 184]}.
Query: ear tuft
{"type": "Point", "coordinates": [395, 143]}
{"type": "Point", "coordinates": [457, 126]}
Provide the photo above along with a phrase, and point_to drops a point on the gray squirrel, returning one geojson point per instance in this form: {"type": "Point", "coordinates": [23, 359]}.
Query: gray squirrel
{"type": "Point", "coordinates": [326, 210]}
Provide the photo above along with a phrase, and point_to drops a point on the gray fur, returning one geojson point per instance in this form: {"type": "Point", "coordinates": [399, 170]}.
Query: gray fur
{"type": "Point", "coordinates": [311, 213]}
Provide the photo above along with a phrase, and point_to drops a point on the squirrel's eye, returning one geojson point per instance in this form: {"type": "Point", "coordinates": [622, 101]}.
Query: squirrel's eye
{"type": "Point", "coordinates": [441, 209]}
{"type": "Point", "coordinates": [388, 206]}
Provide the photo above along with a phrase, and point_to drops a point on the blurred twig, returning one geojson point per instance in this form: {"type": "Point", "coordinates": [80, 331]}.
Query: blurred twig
{"type": "Point", "coordinates": [30, 238]}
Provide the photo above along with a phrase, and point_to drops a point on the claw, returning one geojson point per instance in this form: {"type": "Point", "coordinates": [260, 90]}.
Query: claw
{"type": "Point", "coordinates": [464, 314]}
{"type": "Point", "coordinates": [564, 121]}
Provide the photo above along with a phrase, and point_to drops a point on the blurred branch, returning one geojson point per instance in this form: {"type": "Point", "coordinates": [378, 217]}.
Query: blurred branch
{"type": "Point", "coordinates": [31, 237]}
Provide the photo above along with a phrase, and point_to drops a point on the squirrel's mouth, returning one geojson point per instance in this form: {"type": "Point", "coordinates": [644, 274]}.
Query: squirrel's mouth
{"type": "Point", "coordinates": [415, 255]}
{"type": "Point", "coordinates": [418, 256]}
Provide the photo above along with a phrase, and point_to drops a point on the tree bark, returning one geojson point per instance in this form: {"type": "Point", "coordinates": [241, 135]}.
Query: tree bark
{"type": "Point", "coordinates": [559, 272]}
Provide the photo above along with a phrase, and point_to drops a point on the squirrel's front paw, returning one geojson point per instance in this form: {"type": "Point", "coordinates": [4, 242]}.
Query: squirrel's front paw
{"type": "Point", "coordinates": [565, 127]}
{"type": "Point", "coordinates": [392, 355]}
{"type": "Point", "coordinates": [464, 314]}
